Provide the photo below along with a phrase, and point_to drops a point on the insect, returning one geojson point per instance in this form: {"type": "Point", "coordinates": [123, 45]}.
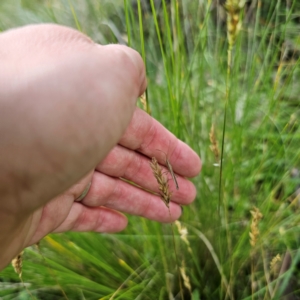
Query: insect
{"type": "Point", "coordinates": [169, 166]}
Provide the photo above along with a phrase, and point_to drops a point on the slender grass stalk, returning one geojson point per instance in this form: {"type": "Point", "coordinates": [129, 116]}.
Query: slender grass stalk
{"type": "Point", "coordinates": [17, 263]}
{"type": "Point", "coordinates": [254, 235]}
{"type": "Point", "coordinates": [128, 27]}
{"type": "Point", "coordinates": [215, 259]}
{"type": "Point", "coordinates": [177, 260]}
{"type": "Point", "coordinates": [179, 56]}
{"type": "Point", "coordinates": [165, 195]}
{"type": "Point", "coordinates": [233, 8]}
{"type": "Point", "coordinates": [168, 34]}
{"type": "Point", "coordinates": [130, 277]}
{"type": "Point", "coordinates": [78, 26]}
{"type": "Point", "coordinates": [164, 58]}
{"type": "Point", "coordinates": [164, 261]}
{"type": "Point", "coordinates": [143, 51]}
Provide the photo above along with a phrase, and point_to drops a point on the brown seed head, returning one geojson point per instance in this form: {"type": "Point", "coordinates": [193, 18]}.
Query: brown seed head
{"type": "Point", "coordinates": [162, 181]}
{"type": "Point", "coordinates": [214, 147]}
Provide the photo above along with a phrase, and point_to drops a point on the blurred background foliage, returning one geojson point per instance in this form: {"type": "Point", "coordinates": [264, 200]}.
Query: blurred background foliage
{"type": "Point", "coordinates": [185, 49]}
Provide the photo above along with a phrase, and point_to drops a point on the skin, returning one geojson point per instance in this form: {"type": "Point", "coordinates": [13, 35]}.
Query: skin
{"type": "Point", "coordinates": [68, 117]}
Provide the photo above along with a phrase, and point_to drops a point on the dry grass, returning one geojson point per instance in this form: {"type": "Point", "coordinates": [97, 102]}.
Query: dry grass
{"type": "Point", "coordinates": [165, 195]}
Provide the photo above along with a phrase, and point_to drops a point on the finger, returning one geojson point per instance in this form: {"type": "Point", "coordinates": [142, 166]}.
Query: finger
{"type": "Point", "coordinates": [98, 219]}
{"type": "Point", "coordinates": [146, 135]}
{"type": "Point", "coordinates": [55, 211]}
{"type": "Point", "coordinates": [119, 195]}
{"type": "Point", "coordinates": [62, 215]}
{"type": "Point", "coordinates": [122, 162]}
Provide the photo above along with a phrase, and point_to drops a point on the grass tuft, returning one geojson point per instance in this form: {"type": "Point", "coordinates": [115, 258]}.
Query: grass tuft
{"type": "Point", "coordinates": [235, 65]}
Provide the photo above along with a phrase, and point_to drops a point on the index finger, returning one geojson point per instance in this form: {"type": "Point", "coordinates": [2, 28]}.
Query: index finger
{"type": "Point", "coordinates": [146, 135]}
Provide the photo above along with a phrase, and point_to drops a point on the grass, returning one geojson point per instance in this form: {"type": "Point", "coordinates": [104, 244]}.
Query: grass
{"type": "Point", "coordinates": [184, 44]}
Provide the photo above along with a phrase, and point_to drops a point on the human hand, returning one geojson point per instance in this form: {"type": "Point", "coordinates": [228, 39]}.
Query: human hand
{"type": "Point", "coordinates": [65, 103]}
{"type": "Point", "coordinates": [109, 194]}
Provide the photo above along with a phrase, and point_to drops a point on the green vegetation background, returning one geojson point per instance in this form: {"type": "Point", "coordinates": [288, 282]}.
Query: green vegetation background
{"type": "Point", "coordinates": [185, 47]}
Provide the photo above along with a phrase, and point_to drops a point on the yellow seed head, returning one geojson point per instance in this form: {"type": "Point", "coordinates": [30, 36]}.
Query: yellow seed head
{"type": "Point", "coordinates": [274, 264]}
{"type": "Point", "coordinates": [234, 24]}
{"type": "Point", "coordinates": [183, 235]}
{"type": "Point", "coordinates": [186, 279]}
{"type": "Point", "coordinates": [144, 101]}
{"type": "Point", "coordinates": [254, 232]}
{"type": "Point", "coordinates": [17, 263]}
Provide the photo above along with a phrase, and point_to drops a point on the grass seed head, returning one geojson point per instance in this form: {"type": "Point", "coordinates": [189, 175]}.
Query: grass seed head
{"type": "Point", "coordinates": [186, 279]}
{"type": "Point", "coordinates": [254, 232]}
{"type": "Point", "coordinates": [234, 24]}
{"type": "Point", "coordinates": [17, 263]}
{"type": "Point", "coordinates": [162, 181]}
{"type": "Point", "coordinates": [214, 143]}
{"type": "Point", "coordinates": [274, 264]}
{"type": "Point", "coordinates": [183, 235]}
{"type": "Point", "coordinates": [144, 101]}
